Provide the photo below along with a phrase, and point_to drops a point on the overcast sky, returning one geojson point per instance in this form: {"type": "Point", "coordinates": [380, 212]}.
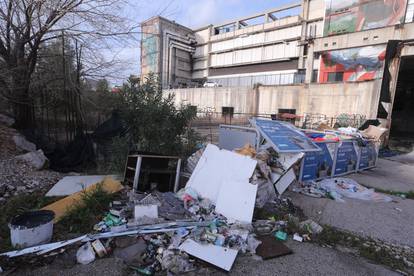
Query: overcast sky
{"type": "Point", "coordinates": [190, 13]}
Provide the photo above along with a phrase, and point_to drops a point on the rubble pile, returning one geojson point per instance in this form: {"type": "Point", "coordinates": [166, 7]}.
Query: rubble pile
{"type": "Point", "coordinates": [21, 166]}
{"type": "Point", "coordinates": [18, 177]}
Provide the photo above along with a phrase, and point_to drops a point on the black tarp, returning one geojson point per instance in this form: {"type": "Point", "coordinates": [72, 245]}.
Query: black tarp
{"type": "Point", "coordinates": [385, 95]}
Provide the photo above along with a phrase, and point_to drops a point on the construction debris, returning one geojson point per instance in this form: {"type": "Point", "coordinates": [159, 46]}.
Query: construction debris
{"type": "Point", "coordinates": [212, 217]}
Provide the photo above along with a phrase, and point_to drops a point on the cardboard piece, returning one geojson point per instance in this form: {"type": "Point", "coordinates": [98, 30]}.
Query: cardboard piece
{"type": "Point", "coordinates": [215, 167]}
{"type": "Point", "coordinates": [271, 248]}
{"type": "Point", "coordinates": [283, 183]}
{"type": "Point", "coordinates": [213, 254]}
{"type": "Point", "coordinates": [236, 200]}
{"type": "Point", "coordinates": [374, 132]}
{"type": "Point", "coordinates": [73, 184]}
{"type": "Point", "coordinates": [61, 207]}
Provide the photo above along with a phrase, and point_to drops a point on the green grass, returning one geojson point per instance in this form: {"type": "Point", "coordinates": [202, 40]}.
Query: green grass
{"type": "Point", "coordinates": [333, 237]}
{"type": "Point", "coordinates": [82, 217]}
{"type": "Point", "coordinates": [409, 195]}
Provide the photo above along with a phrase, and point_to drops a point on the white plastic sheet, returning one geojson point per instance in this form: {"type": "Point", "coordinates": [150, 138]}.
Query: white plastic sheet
{"type": "Point", "coordinates": [345, 187]}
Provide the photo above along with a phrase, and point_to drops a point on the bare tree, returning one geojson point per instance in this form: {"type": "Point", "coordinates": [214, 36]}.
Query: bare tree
{"type": "Point", "coordinates": [25, 25]}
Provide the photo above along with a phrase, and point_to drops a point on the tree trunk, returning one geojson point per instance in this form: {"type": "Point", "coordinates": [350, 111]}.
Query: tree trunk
{"type": "Point", "coordinates": [23, 106]}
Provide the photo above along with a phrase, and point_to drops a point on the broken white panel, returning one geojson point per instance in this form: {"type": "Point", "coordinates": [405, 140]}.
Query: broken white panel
{"type": "Point", "coordinates": [289, 159]}
{"type": "Point", "coordinates": [236, 200]}
{"type": "Point", "coordinates": [274, 177]}
{"type": "Point", "coordinates": [150, 211]}
{"type": "Point", "coordinates": [217, 166]}
{"type": "Point", "coordinates": [285, 181]}
{"type": "Point", "coordinates": [213, 254]}
{"type": "Point", "coordinates": [73, 184]}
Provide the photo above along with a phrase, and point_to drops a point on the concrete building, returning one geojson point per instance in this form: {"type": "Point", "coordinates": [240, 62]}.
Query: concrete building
{"type": "Point", "coordinates": [317, 56]}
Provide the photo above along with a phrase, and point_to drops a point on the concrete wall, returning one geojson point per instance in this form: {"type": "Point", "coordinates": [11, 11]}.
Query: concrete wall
{"type": "Point", "coordinates": [328, 99]}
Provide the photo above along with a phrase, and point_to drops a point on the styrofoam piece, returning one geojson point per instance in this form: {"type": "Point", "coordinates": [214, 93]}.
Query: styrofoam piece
{"type": "Point", "coordinates": [73, 184]}
{"type": "Point", "coordinates": [150, 211]}
{"type": "Point", "coordinates": [236, 200]}
{"type": "Point", "coordinates": [285, 181]}
{"type": "Point", "coordinates": [213, 254]}
{"type": "Point", "coordinates": [217, 166]}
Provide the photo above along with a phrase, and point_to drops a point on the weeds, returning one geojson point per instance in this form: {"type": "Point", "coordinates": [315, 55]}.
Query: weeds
{"type": "Point", "coordinates": [409, 195]}
{"type": "Point", "coordinates": [364, 246]}
{"type": "Point", "coordinates": [83, 216]}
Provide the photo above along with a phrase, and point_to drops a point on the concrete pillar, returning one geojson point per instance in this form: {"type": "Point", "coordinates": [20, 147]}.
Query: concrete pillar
{"type": "Point", "coordinates": [309, 63]}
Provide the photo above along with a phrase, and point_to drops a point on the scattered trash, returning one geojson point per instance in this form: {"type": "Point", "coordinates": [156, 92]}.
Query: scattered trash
{"type": "Point", "coordinates": [132, 253]}
{"type": "Point", "coordinates": [99, 248]}
{"type": "Point", "coordinates": [280, 235]}
{"type": "Point", "coordinates": [150, 211]}
{"type": "Point", "coordinates": [337, 188]}
{"type": "Point", "coordinates": [31, 228]}
{"type": "Point", "coordinates": [211, 219]}
{"type": "Point", "coordinates": [176, 263]}
{"type": "Point", "coordinates": [216, 255]}
{"type": "Point", "coordinates": [297, 237]}
{"type": "Point", "coordinates": [311, 227]}
{"type": "Point", "coordinates": [85, 254]}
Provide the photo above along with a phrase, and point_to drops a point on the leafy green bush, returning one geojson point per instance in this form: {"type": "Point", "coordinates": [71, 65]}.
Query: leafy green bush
{"type": "Point", "coordinates": [156, 125]}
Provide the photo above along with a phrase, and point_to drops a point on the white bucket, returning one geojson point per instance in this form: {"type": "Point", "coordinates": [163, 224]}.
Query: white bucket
{"type": "Point", "coordinates": [31, 228]}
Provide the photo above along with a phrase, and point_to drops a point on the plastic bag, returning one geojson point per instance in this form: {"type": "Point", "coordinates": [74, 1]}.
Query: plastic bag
{"type": "Point", "coordinates": [346, 187]}
{"type": "Point", "coordinates": [85, 254]}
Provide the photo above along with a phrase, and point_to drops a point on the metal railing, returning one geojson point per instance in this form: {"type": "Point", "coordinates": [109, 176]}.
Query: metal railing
{"type": "Point", "coordinates": [250, 81]}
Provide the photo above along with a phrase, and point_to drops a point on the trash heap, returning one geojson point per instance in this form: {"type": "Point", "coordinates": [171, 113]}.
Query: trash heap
{"type": "Point", "coordinates": [211, 218]}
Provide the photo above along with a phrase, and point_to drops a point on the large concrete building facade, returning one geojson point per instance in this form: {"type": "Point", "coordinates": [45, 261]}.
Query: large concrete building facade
{"type": "Point", "coordinates": [316, 56]}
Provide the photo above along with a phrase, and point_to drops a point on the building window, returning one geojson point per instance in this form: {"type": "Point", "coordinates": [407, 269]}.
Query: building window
{"type": "Point", "coordinates": [335, 76]}
{"type": "Point", "coordinates": [287, 111]}
{"type": "Point", "coordinates": [314, 76]}
{"type": "Point", "coordinates": [305, 50]}
{"type": "Point", "coordinates": [409, 15]}
{"type": "Point", "coordinates": [227, 111]}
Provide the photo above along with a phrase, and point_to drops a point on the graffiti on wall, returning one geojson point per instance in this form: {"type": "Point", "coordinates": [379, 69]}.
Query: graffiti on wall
{"type": "Point", "coordinates": [357, 15]}
{"type": "Point", "coordinates": [150, 51]}
{"type": "Point", "coordinates": [354, 64]}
